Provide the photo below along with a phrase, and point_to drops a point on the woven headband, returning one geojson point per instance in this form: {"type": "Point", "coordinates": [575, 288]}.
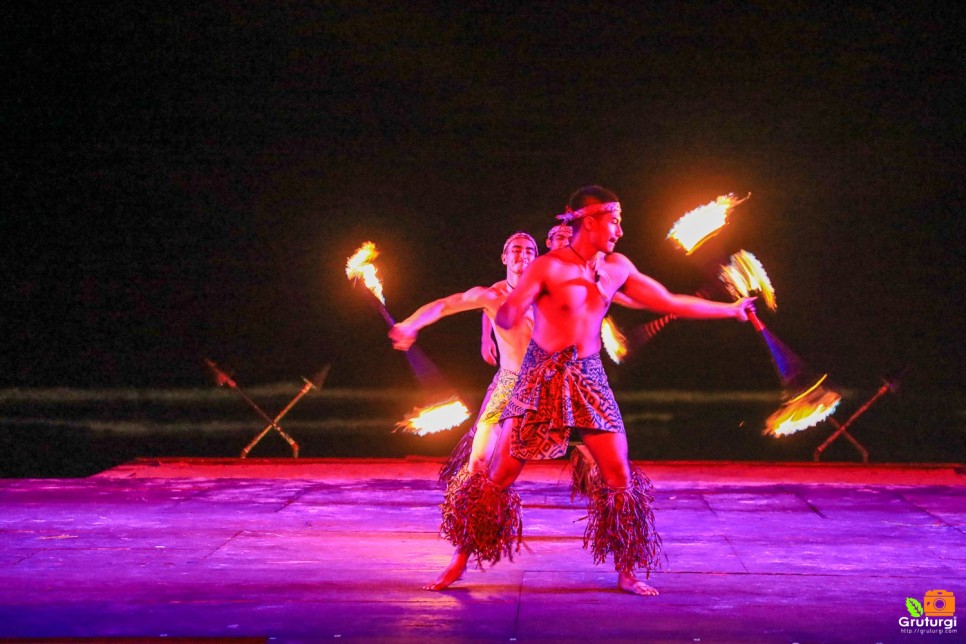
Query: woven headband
{"type": "Point", "coordinates": [560, 228]}
{"type": "Point", "coordinates": [587, 211]}
{"type": "Point", "coordinates": [521, 235]}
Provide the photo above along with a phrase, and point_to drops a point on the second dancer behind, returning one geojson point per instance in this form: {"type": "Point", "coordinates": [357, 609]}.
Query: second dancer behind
{"type": "Point", "coordinates": [477, 445]}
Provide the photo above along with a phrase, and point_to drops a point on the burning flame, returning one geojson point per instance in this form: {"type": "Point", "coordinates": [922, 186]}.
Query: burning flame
{"type": "Point", "coordinates": [435, 418]}
{"type": "Point", "coordinates": [746, 276]}
{"type": "Point", "coordinates": [614, 341]}
{"type": "Point", "coordinates": [808, 408]}
{"type": "Point", "coordinates": [701, 224]}
{"type": "Point", "coordinates": [360, 267]}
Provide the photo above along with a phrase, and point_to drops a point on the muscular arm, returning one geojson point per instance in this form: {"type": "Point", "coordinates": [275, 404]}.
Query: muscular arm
{"type": "Point", "coordinates": [626, 302]}
{"type": "Point", "coordinates": [404, 333]}
{"type": "Point", "coordinates": [650, 294]}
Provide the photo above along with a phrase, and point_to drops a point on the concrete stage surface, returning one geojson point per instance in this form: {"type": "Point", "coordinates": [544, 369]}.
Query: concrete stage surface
{"type": "Point", "coordinates": [307, 550]}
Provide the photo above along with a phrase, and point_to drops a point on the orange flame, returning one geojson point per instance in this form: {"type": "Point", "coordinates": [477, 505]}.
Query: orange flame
{"type": "Point", "coordinates": [360, 267]}
{"type": "Point", "coordinates": [614, 341]}
{"type": "Point", "coordinates": [808, 408]}
{"type": "Point", "coordinates": [746, 276]}
{"type": "Point", "coordinates": [435, 418]}
{"type": "Point", "coordinates": [701, 224]}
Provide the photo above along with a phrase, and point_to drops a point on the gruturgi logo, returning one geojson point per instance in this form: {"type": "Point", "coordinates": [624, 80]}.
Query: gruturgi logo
{"type": "Point", "coordinates": [935, 615]}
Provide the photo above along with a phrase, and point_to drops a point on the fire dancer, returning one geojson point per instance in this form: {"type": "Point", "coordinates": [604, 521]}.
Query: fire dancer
{"type": "Point", "coordinates": [476, 447]}
{"type": "Point", "coordinates": [557, 237]}
{"type": "Point", "coordinates": [563, 386]}
{"type": "Point", "coordinates": [473, 452]}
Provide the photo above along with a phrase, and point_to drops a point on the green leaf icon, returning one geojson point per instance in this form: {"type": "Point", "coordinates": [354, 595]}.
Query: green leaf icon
{"type": "Point", "coordinates": [913, 606]}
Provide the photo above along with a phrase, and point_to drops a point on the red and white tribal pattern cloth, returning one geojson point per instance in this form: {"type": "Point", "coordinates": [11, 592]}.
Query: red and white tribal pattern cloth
{"type": "Point", "coordinates": [555, 394]}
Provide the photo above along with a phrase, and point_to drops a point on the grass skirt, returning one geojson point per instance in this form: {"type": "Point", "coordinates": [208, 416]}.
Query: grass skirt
{"type": "Point", "coordinates": [621, 523]}
{"type": "Point", "coordinates": [459, 458]}
{"type": "Point", "coordinates": [584, 475]}
{"type": "Point", "coordinates": [481, 518]}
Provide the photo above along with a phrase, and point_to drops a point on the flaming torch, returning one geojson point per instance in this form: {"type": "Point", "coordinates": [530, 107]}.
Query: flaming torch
{"type": "Point", "coordinates": [360, 268]}
{"type": "Point", "coordinates": [704, 222]}
{"type": "Point", "coordinates": [434, 418]}
{"type": "Point", "coordinates": [808, 401]}
{"type": "Point", "coordinates": [614, 341]}
{"type": "Point", "coordinates": [745, 276]}
{"type": "Point", "coordinates": [690, 231]}
{"type": "Point", "coordinates": [810, 407]}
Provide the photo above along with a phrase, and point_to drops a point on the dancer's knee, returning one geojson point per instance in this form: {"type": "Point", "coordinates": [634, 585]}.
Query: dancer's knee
{"type": "Point", "coordinates": [505, 468]}
{"type": "Point", "coordinates": [505, 471]}
{"type": "Point", "coordinates": [616, 476]}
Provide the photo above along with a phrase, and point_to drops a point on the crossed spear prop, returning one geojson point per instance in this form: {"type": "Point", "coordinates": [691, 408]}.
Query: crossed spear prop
{"type": "Point", "coordinates": [433, 418]}
{"type": "Point", "coordinates": [222, 379]}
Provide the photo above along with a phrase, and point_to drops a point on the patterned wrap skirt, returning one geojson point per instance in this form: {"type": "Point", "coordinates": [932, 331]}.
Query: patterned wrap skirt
{"type": "Point", "coordinates": [494, 401]}
{"type": "Point", "coordinates": [555, 394]}
{"type": "Point", "coordinates": [497, 395]}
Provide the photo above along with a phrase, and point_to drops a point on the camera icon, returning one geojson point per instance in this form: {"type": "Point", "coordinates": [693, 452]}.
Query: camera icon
{"type": "Point", "coordinates": [939, 603]}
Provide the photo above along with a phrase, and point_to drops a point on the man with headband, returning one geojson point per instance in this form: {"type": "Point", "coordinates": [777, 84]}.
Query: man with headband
{"type": "Point", "coordinates": [563, 387]}
{"type": "Point", "coordinates": [557, 237]}
{"type": "Point", "coordinates": [472, 453]}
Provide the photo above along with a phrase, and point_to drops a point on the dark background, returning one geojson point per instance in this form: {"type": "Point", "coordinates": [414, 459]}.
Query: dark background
{"type": "Point", "coordinates": [186, 181]}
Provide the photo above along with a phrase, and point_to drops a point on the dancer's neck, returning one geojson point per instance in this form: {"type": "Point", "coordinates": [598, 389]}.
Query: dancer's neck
{"type": "Point", "coordinates": [590, 261]}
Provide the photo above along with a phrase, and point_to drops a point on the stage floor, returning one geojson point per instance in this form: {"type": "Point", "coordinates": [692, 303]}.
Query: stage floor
{"type": "Point", "coordinates": [323, 550]}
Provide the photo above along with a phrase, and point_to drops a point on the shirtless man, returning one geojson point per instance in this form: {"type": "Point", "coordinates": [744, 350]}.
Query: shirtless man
{"type": "Point", "coordinates": [518, 251]}
{"type": "Point", "coordinates": [562, 386]}
{"type": "Point", "coordinates": [557, 237]}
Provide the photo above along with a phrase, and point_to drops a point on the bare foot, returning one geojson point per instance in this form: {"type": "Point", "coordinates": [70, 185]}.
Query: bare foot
{"type": "Point", "coordinates": [627, 582]}
{"type": "Point", "coordinates": [451, 573]}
